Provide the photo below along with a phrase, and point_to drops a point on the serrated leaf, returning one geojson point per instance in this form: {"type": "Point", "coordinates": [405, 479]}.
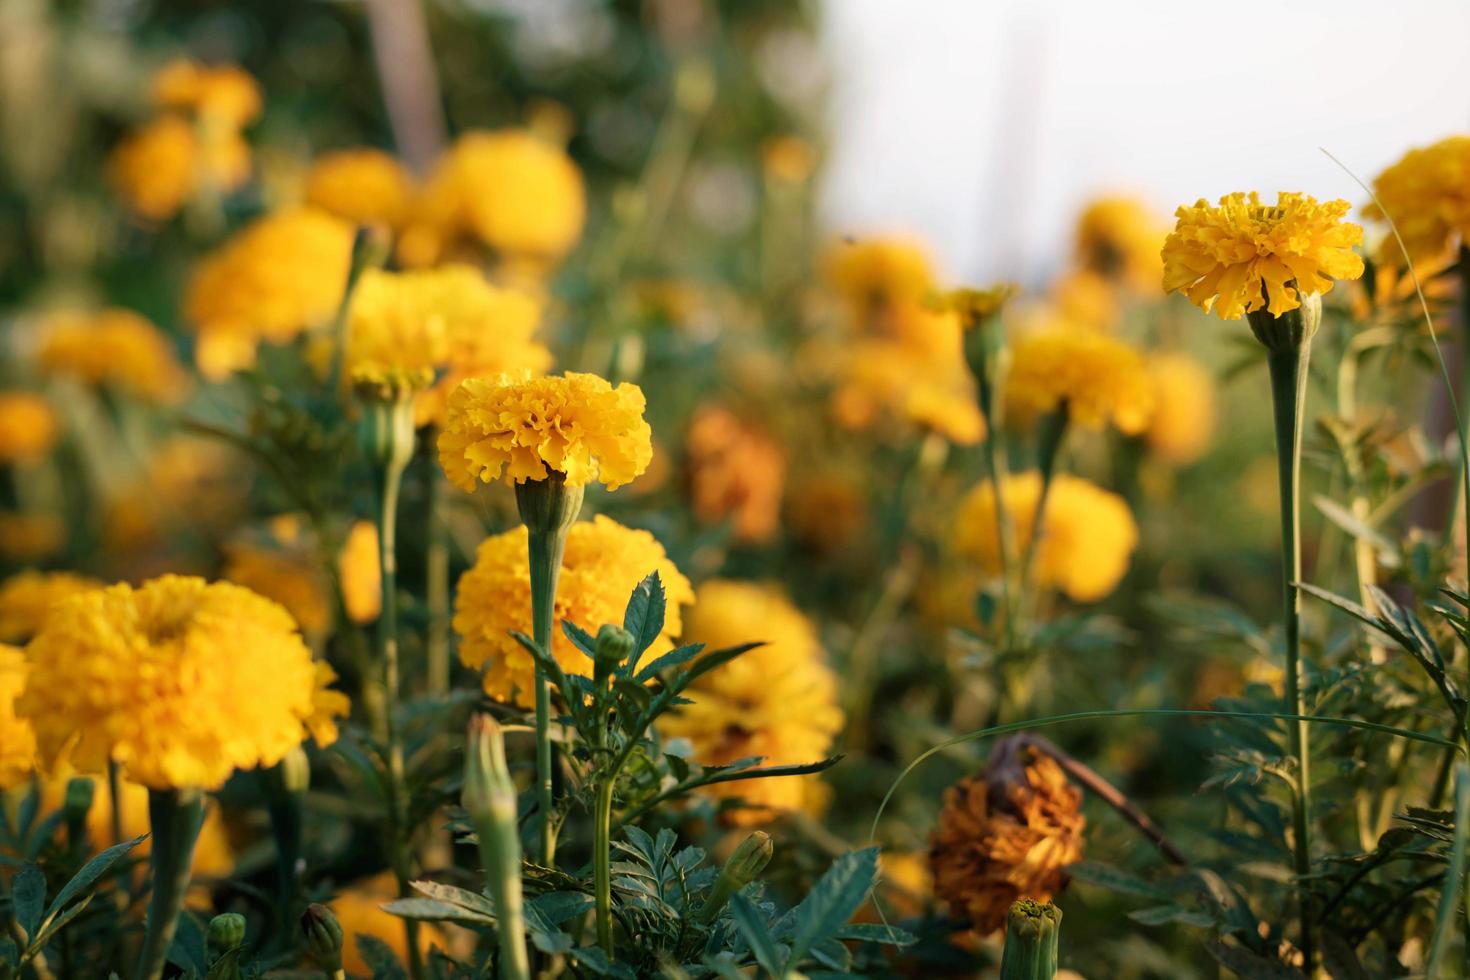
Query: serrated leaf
{"type": "Point", "coordinates": [559, 907]}
{"type": "Point", "coordinates": [644, 617]}
{"type": "Point", "coordinates": [674, 658]}
{"type": "Point", "coordinates": [90, 872]}
{"type": "Point", "coordinates": [838, 894]}
{"type": "Point", "coordinates": [1249, 966]}
{"type": "Point", "coordinates": [1116, 880]}
{"type": "Point", "coordinates": [431, 910]}
{"type": "Point", "coordinates": [380, 958]}
{"type": "Point", "coordinates": [748, 921]}
{"type": "Point", "coordinates": [874, 933]}
{"type": "Point", "coordinates": [28, 898]}
{"type": "Point", "coordinates": [452, 895]}
{"type": "Point", "coordinates": [1160, 914]}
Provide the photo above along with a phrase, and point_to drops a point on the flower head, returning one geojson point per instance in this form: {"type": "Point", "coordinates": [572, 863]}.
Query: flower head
{"type": "Point", "coordinates": [577, 425]}
{"type": "Point", "coordinates": [1427, 194]}
{"type": "Point", "coordinates": [155, 169]}
{"type": "Point", "coordinates": [27, 598]}
{"type": "Point", "coordinates": [1005, 835]}
{"type": "Point", "coordinates": [1184, 419]}
{"type": "Point", "coordinates": [777, 702]}
{"type": "Point", "coordinates": [1087, 535]}
{"type": "Point", "coordinates": [222, 95]}
{"type": "Point", "coordinates": [363, 186]}
{"type": "Point", "coordinates": [179, 681]}
{"type": "Point", "coordinates": [1118, 238]}
{"type": "Point", "coordinates": [974, 305]}
{"type": "Point", "coordinates": [511, 189]}
{"type": "Point", "coordinates": [1241, 255]}
{"type": "Point", "coordinates": [880, 272]}
{"type": "Point", "coordinates": [603, 563]}
{"type": "Point", "coordinates": [28, 427]}
{"type": "Point", "coordinates": [283, 274]}
{"type": "Point", "coordinates": [735, 472]}
{"type": "Point", "coordinates": [115, 348]}
{"type": "Point", "coordinates": [1098, 379]}
{"type": "Point", "coordinates": [17, 738]}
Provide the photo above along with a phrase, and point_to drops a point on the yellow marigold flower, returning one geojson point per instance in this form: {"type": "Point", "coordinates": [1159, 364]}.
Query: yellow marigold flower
{"type": "Point", "coordinates": [359, 910]}
{"type": "Point", "coordinates": [155, 169]}
{"type": "Point", "coordinates": [1005, 835]}
{"type": "Point", "coordinates": [1242, 255]}
{"type": "Point", "coordinates": [1427, 194]}
{"type": "Point", "coordinates": [603, 563]}
{"type": "Point", "coordinates": [27, 598]}
{"type": "Point", "coordinates": [1097, 378]}
{"type": "Point", "coordinates": [281, 275]}
{"type": "Point", "coordinates": [878, 272]}
{"type": "Point", "coordinates": [30, 536]}
{"type": "Point", "coordinates": [904, 886]}
{"type": "Point", "coordinates": [224, 95]}
{"type": "Point", "coordinates": [1086, 299]}
{"type": "Point", "coordinates": [1184, 418]}
{"type": "Point", "coordinates": [778, 701]}
{"type": "Point", "coordinates": [188, 479]}
{"type": "Point", "coordinates": [1119, 237]}
{"type": "Point", "coordinates": [17, 738]}
{"type": "Point", "coordinates": [524, 427]}
{"type": "Point", "coordinates": [1086, 540]}
{"type": "Point", "coordinates": [283, 577]}
{"type": "Point", "coordinates": [179, 681]}
{"type": "Point", "coordinates": [360, 573]}
{"type": "Point", "coordinates": [735, 472]}
{"type": "Point", "coordinates": [972, 305]}
{"type": "Point", "coordinates": [363, 186]}
{"type": "Point", "coordinates": [114, 347]}
{"type": "Point", "coordinates": [517, 193]}
{"type": "Point", "coordinates": [28, 427]}
{"type": "Point", "coordinates": [449, 320]}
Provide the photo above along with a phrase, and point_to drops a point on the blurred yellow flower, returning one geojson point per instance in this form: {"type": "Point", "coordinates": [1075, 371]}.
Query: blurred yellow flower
{"type": "Point", "coordinates": [788, 159]}
{"type": "Point", "coordinates": [1241, 255]}
{"type": "Point", "coordinates": [359, 910]}
{"type": "Point", "coordinates": [361, 574]}
{"type": "Point", "coordinates": [179, 681]}
{"type": "Point", "coordinates": [519, 194]}
{"type": "Point", "coordinates": [154, 170]}
{"type": "Point", "coordinates": [1005, 835]}
{"type": "Point", "coordinates": [1098, 379]}
{"type": "Point", "coordinates": [281, 275]}
{"type": "Point", "coordinates": [27, 598]}
{"type": "Point", "coordinates": [524, 428]}
{"type": "Point", "coordinates": [1087, 535]}
{"type": "Point", "coordinates": [449, 320]}
{"type": "Point", "coordinates": [735, 472]}
{"type": "Point", "coordinates": [363, 186]}
{"type": "Point", "coordinates": [113, 347]}
{"type": "Point", "coordinates": [31, 535]}
{"type": "Point", "coordinates": [777, 702]}
{"type": "Point", "coordinates": [187, 480]}
{"type": "Point", "coordinates": [1086, 299]}
{"type": "Point", "coordinates": [972, 305]}
{"type": "Point", "coordinates": [17, 738]}
{"type": "Point", "coordinates": [603, 563]}
{"type": "Point", "coordinates": [1119, 238]}
{"type": "Point", "coordinates": [284, 577]}
{"type": "Point", "coordinates": [224, 95]}
{"type": "Point", "coordinates": [1427, 194]}
{"type": "Point", "coordinates": [1184, 415]}
{"type": "Point", "coordinates": [28, 427]}
{"type": "Point", "coordinates": [880, 272]}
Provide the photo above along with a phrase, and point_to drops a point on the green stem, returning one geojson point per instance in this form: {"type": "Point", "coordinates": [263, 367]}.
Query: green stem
{"type": "Point", "coordinates": [437, 587]}
{"type": "Point", "coordinates": [1288, 365]}
{"type": "Point", "coordinates": [1049, 439]}
{"type": "Point", "coordinates": [174, 816]}
{"type": "Point", "coordinates": [602, 862]}
{"type": "Point", "coordinates": [390, 483]}
{"type": "Point", "coordinates": [545, 554]}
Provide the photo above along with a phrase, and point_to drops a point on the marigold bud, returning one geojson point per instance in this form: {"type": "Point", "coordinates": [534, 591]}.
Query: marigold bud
{"type": "Point", "coordinates": [614, 645]}
{"type": "Point", "coordinates": [226, 932]}
{"type": "Point", "coordinates": [742, 867]}
{"type": "Point", "coordinates": [1033, 931]}
{"type": "Point", "coordinates": [79, 794]}
{"type": "Point", "coordinates": [323, 936]}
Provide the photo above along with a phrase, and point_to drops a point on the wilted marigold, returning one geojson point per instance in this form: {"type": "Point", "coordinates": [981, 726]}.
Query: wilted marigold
{"type": "Point", "coordinates": [17, 738]}
{"type": "Point", "coordinates": [603, 563]}
{"type": "Point", "coordinates": [281, 275]}
{"type": "Point", "coordinates": [735, 472]}
{"type": "Point", "coordinates": [1006, 835]}
{"type": "Point", "coordinates": [1087, 535]}
{"type": "Point", "coordinates": [516, 192]}
{"type": "Point", "coordinates": [363, 186]}
{"type": "Point", "coordinates": [27, 598]}
{"type": "Point", "coordinates": [28, 427]}
{"type": "Point", "coordinates": [179, 681]}
{"type": "Point", "coordinates": [113, 347]}
{"type": "Point", "coordinates": [777, 702]}
{"type": "Point", "coordinates": [1118, 238]}
{"type": "Point", "coordinates": [1184, 415]}
{"type": "Point", "coordinates": [1241, 255]}
{"type": "Point", "coordinates": [1097, 378]}
{"type": "Point", "coordinates": [523, 427]}
{"type": "Point", "coordinates": [1427, 194]}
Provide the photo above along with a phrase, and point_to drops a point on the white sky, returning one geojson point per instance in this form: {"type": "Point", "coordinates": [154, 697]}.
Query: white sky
{"type": "Point", "coordinates": [982, 125]}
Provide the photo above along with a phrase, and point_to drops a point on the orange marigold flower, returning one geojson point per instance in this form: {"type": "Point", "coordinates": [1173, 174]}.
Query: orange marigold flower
{"type": "Point", "coordinates": [17, 738]}
{"type": "Point", "coordinates": [735, 472]}
{"type": "Point", "coordinates": [603, 563]}
{"type": "Point", "coordinates": [28, 427]}
{"type": "Point", "coordinates": [114, 347]}
{"type": "Point", "coordinates": [1241, 255]}
{"type": "Point", "coordinates": [1005, 835]}
{"type": "Point", "coordinates": [525, 428]}
{"type": "Point", "coordinates": [1096, 378]}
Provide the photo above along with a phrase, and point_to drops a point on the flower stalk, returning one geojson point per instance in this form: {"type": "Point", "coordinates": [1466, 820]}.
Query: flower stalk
{"type": "Point", "coordinates": [489, 797]}
{"type": "Point", "coordinates": [547, 508]}
{"type": "Point", "coordinates": [614, 644]}
{"type": "Point", "coordinates": [175, 816]}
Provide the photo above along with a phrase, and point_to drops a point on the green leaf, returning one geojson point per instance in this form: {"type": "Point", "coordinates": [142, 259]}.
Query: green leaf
{"type": "Point", "coordinates": [1249, 966]}
{"type": "Point", "coordinates": [98, 867]}
{"type": "Point", "coordinates": [581, 639]}
{"type": "Point", "coordinates": [644, 617]}
{"type": "Point", "coordinates": [430, 910]}
{"type": "Point", "coordinates": [1116, 880]}
{"type": "Point", "coordinates": [380, 958]}
{"type": "Point", "coordinates": [28, 897]}
{"type": "Point", "coordinates": [711, 660]}
{"type": "Point", "coordinates": [462, 897]}
{"type": "Point", "coordinates": [674, 658]}
{"type": "Point", "coordinates": [832, 901]}
{"type": "Point", "coordinates": [865, 932]}
{"type": "Point", "coordinates": [54, 925]}
{"type": "Point", "coordinates": [748, 921]}
{"type": "Point", "coordinates": [1161, 914]}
